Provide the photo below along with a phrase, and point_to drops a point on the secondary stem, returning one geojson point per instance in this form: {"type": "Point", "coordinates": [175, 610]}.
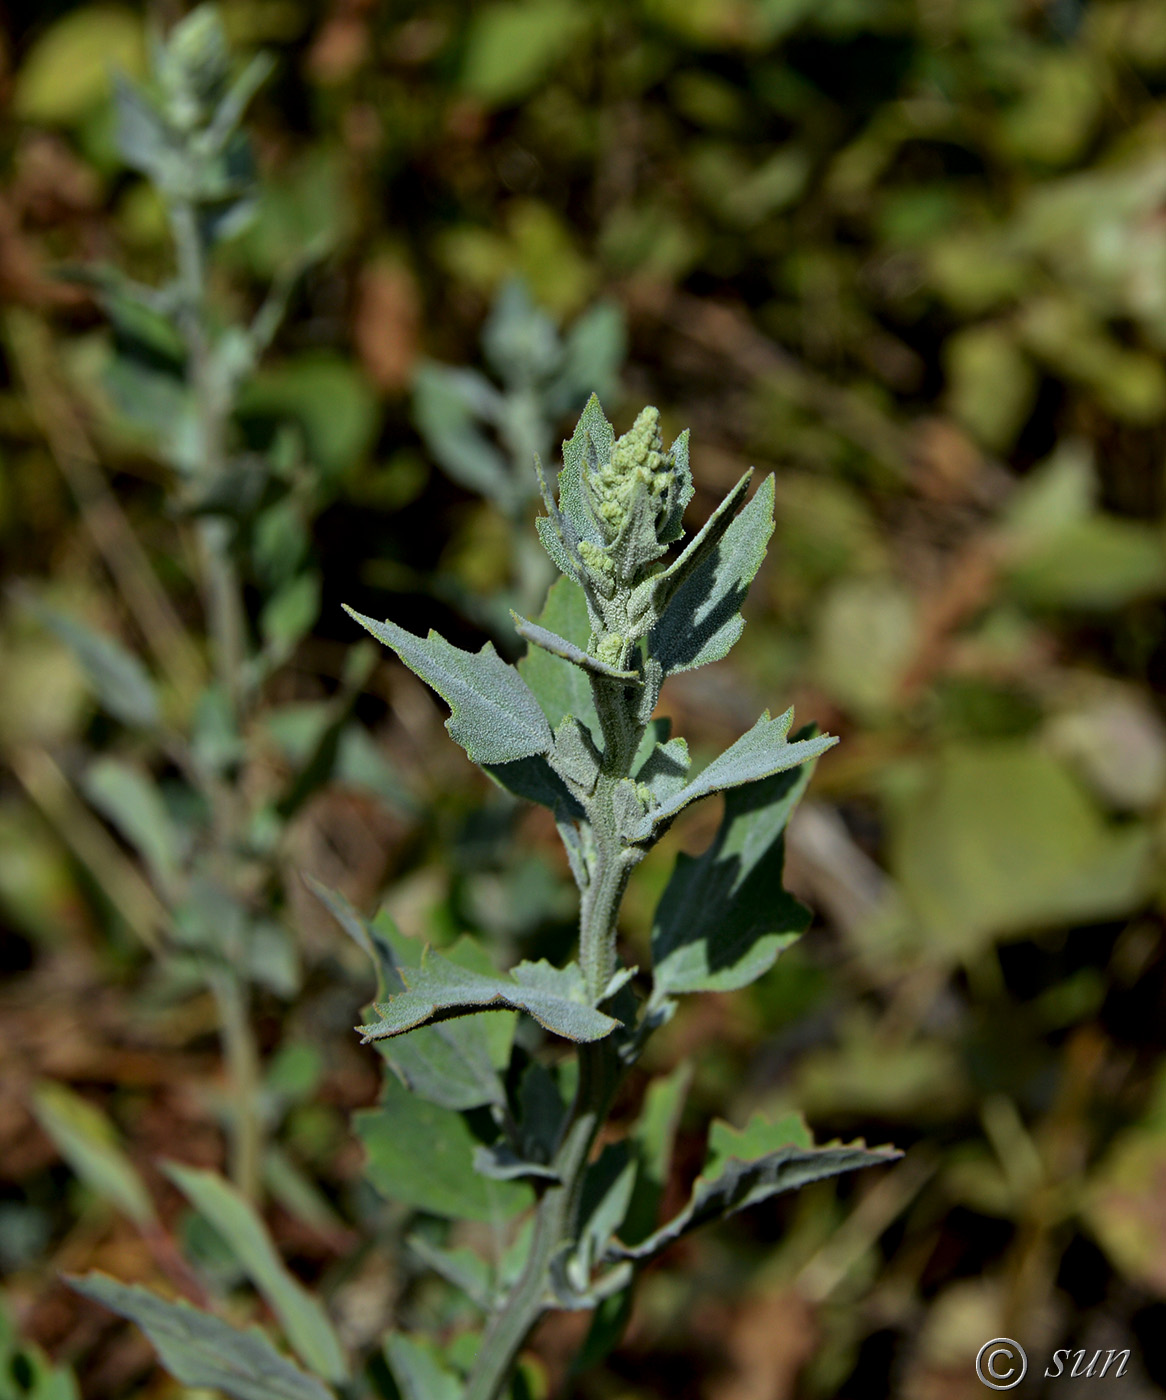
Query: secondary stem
{"type": "Point", "coordinates": [225, 621]}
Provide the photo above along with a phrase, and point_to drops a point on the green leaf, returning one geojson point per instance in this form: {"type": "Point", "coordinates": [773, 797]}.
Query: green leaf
{"type": "Point", "coordinates": [438, 988]}
{"type": "Point", "coordinates": [452, 1063]}
{"type": "Point", "coordinates": [493, 714]}
{"type": "Point", "coordinates": [448, 404]}
{"type": "Point", "coordinates": [655, 594]}
{"type": "Point", "coordinates": [130, 799]}
{"type": "Point", "coordinates": [331, 400]}
{"type": "Point", "coordinates": [86, 1139]}
{"type": "Point", "coordinates": [199, 1350]}
{"type": "Point", "coordinates": [1098, 564]}
{"type": "Point", "coordinates": [419, 1370]}
{"type": "Point", "coordinates": [998, 838]}
{"type": "Point", "coordinates": [607, 1192]}
{"type": "Point", "coordinates": [67, 72]}
{"type": "Point", "coordinates": [301, 1316]}
{"type": "Point", "coordinates": [560, 688]}
{"type": "Point", "coordinates": [120, 680]}
{"type": "Point", "coordinates": [758, 754]}
{"type": "Point", "coordinates": [747, 1167]}
{"type": "Point", "coordinates": [568, 651]}
{"type": "Point", "coordinates": [423, 1156]}
{"type": "Point", "coordinates": [512, 47]}
{"type": "Point", "coordinates": [702, 620]}
{"type": "Point", "coordinates": [654, 1138]}
{"type": "Point", "coordinates": [461, 1267]}
{"type": "Point", "coordinates": [724, 916]}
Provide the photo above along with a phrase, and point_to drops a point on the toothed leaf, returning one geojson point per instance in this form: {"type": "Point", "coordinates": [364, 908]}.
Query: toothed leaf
{"type": "Point", "coordinates": [724, 916]}
{"type": "Point", "coordinates": [439, 989]}
{"type": "Point", "coordinates": [748, 1167]}
{"type": "Point", "coordinates": [493, 714]}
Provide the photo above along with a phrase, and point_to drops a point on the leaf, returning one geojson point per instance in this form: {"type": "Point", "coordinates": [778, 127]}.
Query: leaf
{"type": "Point", "coordinates": [199, 1350]}
{"type": "Point", "coordinates": [589, 446]}
{"type": "Point", "coordinates": [130, 799]}
{"type": "Point", "coordinates": [998, 838]}
{"type": "Point", "coordinates": [702, 620]}
{"type": "Point", "coordinates": [747, 1167]}
{"type": "Point", "coordinates": [512, 47]}
{"type": "Point", "coordinates": [607, 1192]}
{"type": "Point", "coordinates": [86, 1139]}
{"type": "Point", "coordinates": [120, 680]}
{"type": "Point", "coordinates": [423, 1156]}
{"type": "Point", "coordinates": [68, 70]}
{"type": "Point", "coordinates": [657, 592]}
{"type": "Point", "coordinates": [569, 652]}
{"type": "Point", "coordinates": [724, 916]}
{"type": "Point", "coordinates": [332, 401]}
{"type": "Point", "coordinates": [665, 770]}
{"type": "Point", "coordinates": [1101, 563]}
{"type": "Point", "coordinates": [301, 1316]}
{"type": "Point", "coordinates": [560, 688]}
{"type": "Point", "coordinates": [654, 1138]}
{"type": "Point", "coordinates": [461, 1267]}
{"type": "Point", "coordinates": [536, 781]}
{"type": "Point", "coordinates": [438, 989]}
{"type": "Point", "coordinates": [447, 405]}
{"type": "Point", "coordinates": [453, 1063]}
{"type": "Point", "coordinates": [493, 714]}
{"type": "Point", "coordinates": [758, 754]}
{"type": "Point", "coordinates": [419, 1370]}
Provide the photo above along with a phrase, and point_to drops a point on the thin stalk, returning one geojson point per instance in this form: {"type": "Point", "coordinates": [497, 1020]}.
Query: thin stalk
{"type": "Point", "coordinates": [225, 621]}
{"type": "Point", "coordinates": [557, 1222]}
{"type": "Point", "coordinates": [555, 1231]}
{"type": "Point", "coordinates": [242, 1056]}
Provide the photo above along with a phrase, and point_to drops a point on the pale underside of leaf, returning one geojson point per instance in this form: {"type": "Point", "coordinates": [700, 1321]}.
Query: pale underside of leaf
{"type": "Point", "coordinates": [201, 1351]}
{"type": "Point", "coordinates": [757, 754]}
{"type": "Point", "coordinates": [439, 989]}
{"type": "Point", "coordinates": [733, 1184]}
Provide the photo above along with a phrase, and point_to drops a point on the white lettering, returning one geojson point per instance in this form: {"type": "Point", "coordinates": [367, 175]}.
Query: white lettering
{"type": "Point", "coordinates": [1121, 1365]}
{"type": "Point", "coordinates": [1059, 1363]}
{"type": "Point", "coordinates": [991, 1364]}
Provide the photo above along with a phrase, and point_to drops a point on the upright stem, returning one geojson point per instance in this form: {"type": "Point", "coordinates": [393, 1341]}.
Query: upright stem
{"type": "Point", "coordinates": [556, 1227]}
{"type": "Point", "coordinates": [224, 611]}
{"type": "Point", "coordinates": [557, 1222]}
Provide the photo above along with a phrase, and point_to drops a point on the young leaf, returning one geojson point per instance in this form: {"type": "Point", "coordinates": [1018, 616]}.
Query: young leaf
{"type": "Point", "coordinates": [419, 1370]}
{"type": "Point", "coordinates": [448, 405]}
{"type": "Point", "coordinates": [438, 989]}
{"type": "Point", "coordinates": [569, 652]}
{"type": "Point", "coordinates": [301, 1316]}
{"type": "Point", "coordinates": [86, 1139]}
{"type": "Point", "coordinates": [702, 619]}
{"type": "Point", "coordinates": [745, 1168]}
{"type": "Point", "coordinates": [493, 714]}
{"type": "Point", "coordinates": [201, 1351]}
{"type": "Point", "coordinates": [423, 1156]}
{"type": "Point", "coordinates": [757, 754]}
{"type": "Point", "coordinates": [724, 916]}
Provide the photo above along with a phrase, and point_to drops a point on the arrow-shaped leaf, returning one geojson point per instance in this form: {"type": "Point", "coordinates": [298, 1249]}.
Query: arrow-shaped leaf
{"type": "Point", "coordinates": [760, 753]}
{"type": "Point", "coordinates": [439, 989]}
{"type": "Point", "coordinates": [493, 714]}
{"type": "Point", "coordinates": [747, 1167]}
{"type": "Point", "coordinates": [201, 1351]}
{"type": "Point", "coordinates": [703, 617]}
{"type": "Point", "coordinates": [724, 916]}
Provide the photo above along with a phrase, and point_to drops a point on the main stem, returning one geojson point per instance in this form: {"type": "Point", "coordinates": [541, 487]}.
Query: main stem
{"type": "Point", "coordinates": [223, 602]}
{"type": "Point", "coordinates": [557, 1222]}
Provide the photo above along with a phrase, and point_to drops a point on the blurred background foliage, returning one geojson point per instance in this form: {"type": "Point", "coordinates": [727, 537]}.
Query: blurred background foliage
{"type": "Point", "coordinates": [910, 256]}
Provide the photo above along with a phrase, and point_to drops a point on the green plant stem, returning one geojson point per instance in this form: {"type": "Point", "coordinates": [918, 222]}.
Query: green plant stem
{"type": "Point", "coordinates": [225, 621]}
{"type": "Point", "coordinates": [556, 1226]}
{"type": "Point", "coordinates": [242, 1056]}
{"type": "Point", "coordinates": [557, 1222]}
